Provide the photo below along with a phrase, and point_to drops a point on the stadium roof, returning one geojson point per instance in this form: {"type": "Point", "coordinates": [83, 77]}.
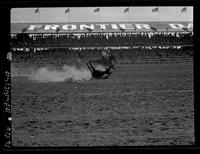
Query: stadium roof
{"type": "Point", "coordinates": [76, 27]}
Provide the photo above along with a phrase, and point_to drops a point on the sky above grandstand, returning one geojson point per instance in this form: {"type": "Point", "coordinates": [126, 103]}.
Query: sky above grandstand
{"type": "Point", "coordinates": [104, 14]}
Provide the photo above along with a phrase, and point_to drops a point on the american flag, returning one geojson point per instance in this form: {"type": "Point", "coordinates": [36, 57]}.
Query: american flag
{"type": "Point", "coordinates": [155, 9]}
{"type": "Point", "coordinates": [126, 10]}
{"type": "Point", "coordinates": [67, 10]}
{"type": "Point", "coordinates": [96, 10]}
{"type": "Point", "coordinates": [184, 9]}
{"type": "Point", "coordinates": [37, 10]}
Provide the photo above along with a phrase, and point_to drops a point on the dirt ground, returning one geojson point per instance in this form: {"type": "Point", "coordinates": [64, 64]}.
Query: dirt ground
{"type": "Point", "coordinates": [139, 105]}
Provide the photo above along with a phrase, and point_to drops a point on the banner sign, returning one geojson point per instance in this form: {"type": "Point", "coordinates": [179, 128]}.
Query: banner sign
{"type": "Point", "coordinates": [99, 27]}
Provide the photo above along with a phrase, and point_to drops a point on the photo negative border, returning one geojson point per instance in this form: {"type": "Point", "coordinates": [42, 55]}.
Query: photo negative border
{"type": "Point", "coordinates": [5, 48]}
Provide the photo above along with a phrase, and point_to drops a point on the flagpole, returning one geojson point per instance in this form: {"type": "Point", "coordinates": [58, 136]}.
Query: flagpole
{"type": "Point", "coordinates": [158, 16]}
{"type": "Point", "coordinates": [186, 15]}
{"type": "Point", "coordinates": [24, 15]}
{"type": "Point", "coordinates": [128, 14]}
{"type": "Point", "coordinates": [156, 20]}
{"type": "Point", "coordinates": [67, 11]}
{"type": "Point", "coordinates": [99, 15]}
{"type": "Point", "coordinates": [39, 16]}
{"type": "Point", "coordinates": [69, 18]}
{"type": "Point", "coordinates": [66, 18]}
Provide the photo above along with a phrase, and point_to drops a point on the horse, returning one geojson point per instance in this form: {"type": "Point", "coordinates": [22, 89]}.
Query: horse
{"type": "Point", "coordinates": [99, 74]}
{"type": "Point", "coordinates": [106, 61]}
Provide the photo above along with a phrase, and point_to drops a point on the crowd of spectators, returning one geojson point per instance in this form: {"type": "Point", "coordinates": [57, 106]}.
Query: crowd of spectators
{"type": "Point", "coordinates": [67, 54]}
{"type": "Point", "coordinates": [101, 39]}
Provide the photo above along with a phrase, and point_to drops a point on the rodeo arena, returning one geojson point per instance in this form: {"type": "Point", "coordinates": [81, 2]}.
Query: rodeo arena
{"type": "Point", "coordinates": [77, 84]}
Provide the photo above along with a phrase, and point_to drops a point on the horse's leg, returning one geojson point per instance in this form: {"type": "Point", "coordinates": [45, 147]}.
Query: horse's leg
{"type": "Point", "coordinates": [89, 67]}
{"type": "Point", "coordinates": [107, 71]}
{"type": "Point", "coordinates": [110, 61]}
{"type": "Point", "coordinates": [113, 67]}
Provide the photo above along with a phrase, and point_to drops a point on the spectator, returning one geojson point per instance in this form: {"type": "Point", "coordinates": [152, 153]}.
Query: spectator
{"type": "Point", "coordinates": [120, 39]}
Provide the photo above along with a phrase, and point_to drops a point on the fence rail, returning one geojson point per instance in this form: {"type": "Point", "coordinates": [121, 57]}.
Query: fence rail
{"type": "Point", "coordinates": [138, 60]}
{"type": "Point", "coordinates": [100, 46]}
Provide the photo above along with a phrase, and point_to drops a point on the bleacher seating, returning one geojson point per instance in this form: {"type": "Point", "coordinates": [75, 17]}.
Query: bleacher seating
{"type": "Point", "coordinates": [123, 55]}
{"type": "Point", "coordinates": [127, 47]}
{"type": "Point", "coordinates": [101, 39]}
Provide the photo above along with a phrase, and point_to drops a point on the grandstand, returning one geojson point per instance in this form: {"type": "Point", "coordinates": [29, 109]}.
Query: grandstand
{"type": "Point", "coordinates": [128, 41]}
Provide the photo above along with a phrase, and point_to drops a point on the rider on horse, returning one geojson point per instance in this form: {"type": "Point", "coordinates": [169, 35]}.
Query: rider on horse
{"type": "Point", "coordinates": [99, 74]}
{"type": "Point", "coordinates": [108, 57]}
{"type": "Point", "coordinates": [106, 60]}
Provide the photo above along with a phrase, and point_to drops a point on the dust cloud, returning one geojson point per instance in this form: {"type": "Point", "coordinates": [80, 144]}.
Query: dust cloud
{"type": "Point", "coordinates": [48, 74]}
